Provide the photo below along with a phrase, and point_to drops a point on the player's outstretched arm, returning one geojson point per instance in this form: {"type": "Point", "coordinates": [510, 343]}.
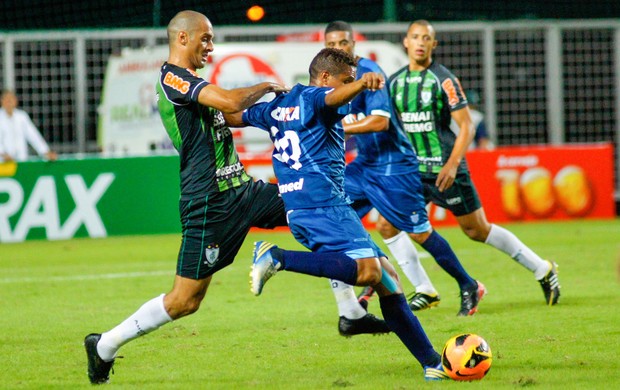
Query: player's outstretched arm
{"type": "Point", "coordinates": [238, 99]}
{"type": "Point", "coordinates": [345, 93]}
{"type": "Point", "coordinates": [370, 124]}
{"type": "Point", "coordinates": [235, 119]}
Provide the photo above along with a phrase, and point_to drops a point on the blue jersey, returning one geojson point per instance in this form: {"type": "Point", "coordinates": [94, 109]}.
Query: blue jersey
{"type": "Point", "coordinates": [385, 173]}
{"type": "Point", "coordinates": [387, 151]}
{"type": "Point", "coordinates": [308, 156]}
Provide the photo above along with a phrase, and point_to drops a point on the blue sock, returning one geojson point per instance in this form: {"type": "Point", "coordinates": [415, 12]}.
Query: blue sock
{"type": "Point", "coordinates": [332, 265]}
{"type": "Point", "coordinates": [401, 321]}
{"type": "Point", "coordinates": [439, 248]}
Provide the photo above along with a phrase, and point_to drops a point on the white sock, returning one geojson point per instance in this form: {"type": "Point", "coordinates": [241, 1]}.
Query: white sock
{"type": "Point", "coordinates": [149, 317]}
{"type": "Point", "coordinates": [348, 306]}
{"type": "Point", "coordinates": [406, 255]}
{"type": "Point", "coordinates": [508, 243]}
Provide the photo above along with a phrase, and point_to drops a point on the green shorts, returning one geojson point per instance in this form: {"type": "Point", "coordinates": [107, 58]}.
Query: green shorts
{"type": "Point", "coordinates": [215, 227]}
{"type": "Point", "coordinates": [461, 198]}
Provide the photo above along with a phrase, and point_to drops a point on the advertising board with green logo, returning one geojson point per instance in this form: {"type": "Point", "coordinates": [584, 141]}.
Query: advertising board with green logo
{"type": "Point", "coordinates": [90, 197]}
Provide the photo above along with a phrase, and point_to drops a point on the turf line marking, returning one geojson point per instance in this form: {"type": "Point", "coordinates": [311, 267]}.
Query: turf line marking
{"type": "Point", "coordinates": [123, 275]}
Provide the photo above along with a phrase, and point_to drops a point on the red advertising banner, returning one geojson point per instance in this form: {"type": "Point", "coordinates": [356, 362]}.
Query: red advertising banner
{"type": "Point", "coordinates": [523, 183]}
{"type": "Point", "coordinates": [541, 183]}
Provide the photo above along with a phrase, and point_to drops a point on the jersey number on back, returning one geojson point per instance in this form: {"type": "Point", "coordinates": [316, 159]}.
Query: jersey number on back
{"type": "Point", "coordinates": [287, 146]}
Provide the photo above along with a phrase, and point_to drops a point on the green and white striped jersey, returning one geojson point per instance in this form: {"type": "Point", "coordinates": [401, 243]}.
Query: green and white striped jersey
{"type": "Point", "coordinates": [423, 101]}
{"type": "Point", "coordinates": [209, 161]}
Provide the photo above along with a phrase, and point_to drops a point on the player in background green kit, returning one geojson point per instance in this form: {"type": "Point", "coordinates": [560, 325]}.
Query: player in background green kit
{"type": "Point", "coordinates": [385, 176]}
{"type": "Point", "coordinates": [427, 96]}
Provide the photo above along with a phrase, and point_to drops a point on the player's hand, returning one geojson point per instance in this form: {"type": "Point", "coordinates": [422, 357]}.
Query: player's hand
{"type": "Point", "coordinates": [278, 88]}
{"type": "Point", "coordinates": [373, 81]}
{"type": "Point", "coordinates": [351, 118]}
{"type": "Point", "coordinates": [446, 177]}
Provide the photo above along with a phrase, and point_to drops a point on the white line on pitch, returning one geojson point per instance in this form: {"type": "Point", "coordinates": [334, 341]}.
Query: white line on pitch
{"type": "Point", "coordinates": [84, 277]}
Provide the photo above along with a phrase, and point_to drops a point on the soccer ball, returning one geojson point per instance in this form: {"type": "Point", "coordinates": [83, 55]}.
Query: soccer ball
{"type": "Point", "coordinates": [466, 357]}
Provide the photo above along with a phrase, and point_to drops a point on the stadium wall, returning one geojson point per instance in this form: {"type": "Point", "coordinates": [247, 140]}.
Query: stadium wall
{"type": "Point", "coordinates": [89, 197]}
{"type": "Point", "coordinates": [99, 197]}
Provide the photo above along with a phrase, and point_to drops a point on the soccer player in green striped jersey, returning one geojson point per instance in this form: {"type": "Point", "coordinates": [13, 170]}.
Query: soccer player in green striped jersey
{"type": "Point", "coordinates": [427, 96]}
{"type": "Point", "coordinates": [219, 201]}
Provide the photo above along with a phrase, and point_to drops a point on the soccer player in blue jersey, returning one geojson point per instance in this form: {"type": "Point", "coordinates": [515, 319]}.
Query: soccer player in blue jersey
{"type": "Point", "coordinates": [219, 201]}
{"type": "Point", "coordinates": [385, 175]}
{"type": "Point", "coordinates": [309, 160]}
{"type": "Point", "coordinates": [427, 96]}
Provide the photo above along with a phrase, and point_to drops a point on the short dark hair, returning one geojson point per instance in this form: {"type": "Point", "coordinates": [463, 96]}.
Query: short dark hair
{"type": "Point", "coordinates": [332, 61]}
{"type": "Point", "coordinates": [339, 25]}
{"type": "Point", "coordinates": [421, 22]}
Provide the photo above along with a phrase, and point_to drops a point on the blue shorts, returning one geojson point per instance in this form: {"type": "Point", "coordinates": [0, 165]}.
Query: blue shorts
{"type": "Point", "coordinates": [398, 198]}
{"type": "Point", "coordinates": [332, 229]}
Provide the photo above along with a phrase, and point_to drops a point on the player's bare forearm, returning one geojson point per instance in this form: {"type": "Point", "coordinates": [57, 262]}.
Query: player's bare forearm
{"type": "Point", "coordinates": [448, 172]}
{"type": "Point", "coordinates": [370, 124]}
{"type": "Point", "coordinates": [234, 119]}
{"type": "Point", "coordinates": [250, 95]}
{"type": "Point", "coordinates": [467, 131]}
{"type": "Point", "coordinates": [345, 93]}
{"type": "Point", "coordinates": [238, 99]}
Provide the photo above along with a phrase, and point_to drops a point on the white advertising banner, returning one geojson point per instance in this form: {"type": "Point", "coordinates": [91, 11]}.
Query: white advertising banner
{"type": "Point", "coordinates": [128, 119]}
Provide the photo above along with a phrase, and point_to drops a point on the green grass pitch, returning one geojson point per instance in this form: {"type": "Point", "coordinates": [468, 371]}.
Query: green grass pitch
{"type": "Point", "coordinates": [54, 293]}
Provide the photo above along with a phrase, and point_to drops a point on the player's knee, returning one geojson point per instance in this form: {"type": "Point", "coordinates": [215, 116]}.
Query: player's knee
{"type": "Point", "coordinates": [369, 272]}
{"type": "Point", "coordinates": [420, 238]}
{"type": "Point", "coordinates": [386, 229]}
{"type": "Point", "coordinates": [375, 277]}
{"type": "Point", "coordinates": [475, 234]}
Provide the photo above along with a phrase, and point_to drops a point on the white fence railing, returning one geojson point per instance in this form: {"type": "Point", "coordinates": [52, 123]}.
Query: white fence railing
{"type": "Point", "coordinates": [547, 82]}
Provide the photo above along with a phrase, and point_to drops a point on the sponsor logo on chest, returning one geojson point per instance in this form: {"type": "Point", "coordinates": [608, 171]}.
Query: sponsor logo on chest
{"type": "Point", "coordinates": [418, 116]}
{"type": "Point", "coordinates": [285, 114]}
{"type": "Point", "coordinates": [175, 82]}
